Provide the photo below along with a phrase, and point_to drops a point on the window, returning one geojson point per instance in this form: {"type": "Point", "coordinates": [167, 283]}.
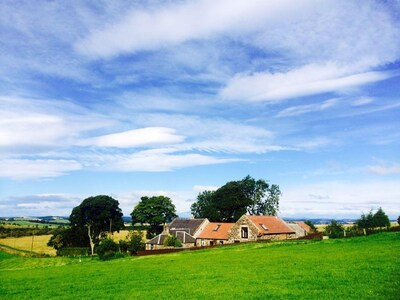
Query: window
{"type": "Point", "coordinates": [263, 226]}
{"type": "Point", "coordinates": [245, 233]}
{"type": "Point", "coordinates": [217, 227]}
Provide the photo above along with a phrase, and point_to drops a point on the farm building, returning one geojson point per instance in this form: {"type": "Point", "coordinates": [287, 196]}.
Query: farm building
{"type": "Point", "coordinates": [214, 234]}
{"type": "Point", "coordinates": [253, 228]}
{"type": "Point", "coordinates": [185, 230]}
{"type": "Point", "coordinates": [301, 228]}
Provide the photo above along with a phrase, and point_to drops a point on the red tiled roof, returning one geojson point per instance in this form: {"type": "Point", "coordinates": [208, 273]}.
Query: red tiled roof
{"type": "Point", "coordinates": [304, 226]}
{"type": "Point", "coordinates": [216, 231]}
{"type": "Point", "coordinates": [270, 224]}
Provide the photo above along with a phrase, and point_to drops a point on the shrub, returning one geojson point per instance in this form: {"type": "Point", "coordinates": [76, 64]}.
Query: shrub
{"type": "Point", "coordinates": [334, 230]}
{"type": "Point", "coordinates": [106, 249]}
{"type": "Point", "coordinates": [133, 243]}
{"type": "Point", "coordinates": [172, 241]}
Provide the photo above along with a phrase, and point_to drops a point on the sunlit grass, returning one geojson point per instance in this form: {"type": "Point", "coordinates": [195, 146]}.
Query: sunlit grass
{"type": "Point", "coordinates": [39, 244]}
{"type": "Point", "coordinates": [357, 268]}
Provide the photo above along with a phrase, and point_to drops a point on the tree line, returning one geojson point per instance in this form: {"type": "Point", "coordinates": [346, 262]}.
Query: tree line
{"type": "Point", "coordinates": [98, 216]}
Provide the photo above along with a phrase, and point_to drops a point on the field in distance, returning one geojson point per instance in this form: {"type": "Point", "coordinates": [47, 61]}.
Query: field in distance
{"type": "Point", "coordinates": [366, 267]}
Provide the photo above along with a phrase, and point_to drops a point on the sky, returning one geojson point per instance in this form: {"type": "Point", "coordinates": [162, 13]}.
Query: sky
{"type": "Point", "coordinates": [145, 98]}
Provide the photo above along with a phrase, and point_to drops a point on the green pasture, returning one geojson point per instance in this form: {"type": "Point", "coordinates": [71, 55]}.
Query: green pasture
{"type": "Point", "coordinates": [356, 268]}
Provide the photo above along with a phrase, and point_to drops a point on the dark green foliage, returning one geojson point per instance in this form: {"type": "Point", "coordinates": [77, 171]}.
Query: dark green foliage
{"type": "Point", "coordinates": [106, 249]}
{"type": "Point", "coordinates": [156, 210]}
{"type": "Point", "coordinates": [366, 221]}
{"type": "Point", "coordinates": [25, 231]}
{"type": "Point", "coordinates": [370, 221]}
{"type": "Point", "coordinates": [398, 220]}
{"type": "Point", "coordinates": [236, 198]}
{"type": "Point", "coordinates": [204, 206]}
{"type": "Point", "coordinates": [172, 241]}
{"type": "Point", "coordinates": [97, 215]}
{"type": "Point", "coordinates": [133, 243]}
{"type": "Point", "coordinates": [311, 224]}
{"type": "Point", "coordinates": [69, 237]}
{"type": "Point", "coordinates": [334, 230]}
{"type": "Point", "coordinates": [380, 219]}
{"type": "Point", "coordinates": [231, 202]}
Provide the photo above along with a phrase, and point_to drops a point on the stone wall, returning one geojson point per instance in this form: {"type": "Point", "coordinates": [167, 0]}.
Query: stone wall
{"type": "Point", "coordinates": [235, 233]}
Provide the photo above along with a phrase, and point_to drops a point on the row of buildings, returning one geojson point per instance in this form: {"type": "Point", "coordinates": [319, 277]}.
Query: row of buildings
{"type": "Point", "coordinates": [202, 232]}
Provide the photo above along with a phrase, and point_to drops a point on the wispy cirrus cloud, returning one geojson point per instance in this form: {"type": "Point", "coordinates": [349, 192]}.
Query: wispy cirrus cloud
{"type": "Point", "coordinates": [137, 138]}
{"type": "Point", "coordinates": [206, 18]}
{"type": "Point", "coordinates": [303, 109]}
{"type": "Point", "coordinates": [22, 169]}
{"type": "Point", "coordinates": [304, 81]}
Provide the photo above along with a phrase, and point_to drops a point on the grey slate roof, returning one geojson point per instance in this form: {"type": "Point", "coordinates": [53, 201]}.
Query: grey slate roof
{"type": "Point", "coordinates": [158, 239]}
{"type": "Point", "coordinates": [187, 225]}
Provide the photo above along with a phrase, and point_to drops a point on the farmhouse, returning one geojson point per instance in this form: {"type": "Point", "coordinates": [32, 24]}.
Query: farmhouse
{"type": "Point", "coordinates": [185, 230]}
{"type": "Point", "coordinates": [214, 234]}
{"type": "Point", "coordinates": [253, 228]}
{"type": "Point", "coordinates": [200, 232]}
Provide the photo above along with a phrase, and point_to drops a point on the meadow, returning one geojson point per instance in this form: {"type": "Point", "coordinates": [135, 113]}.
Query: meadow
{"type": "Point", "coordinates": [365, 267]}
{"type": "Point", "coordinates": [37, 244]}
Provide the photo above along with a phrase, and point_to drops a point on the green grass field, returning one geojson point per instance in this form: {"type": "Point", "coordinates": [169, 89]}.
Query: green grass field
{"type": "Point", "coordinates": [357, 268]}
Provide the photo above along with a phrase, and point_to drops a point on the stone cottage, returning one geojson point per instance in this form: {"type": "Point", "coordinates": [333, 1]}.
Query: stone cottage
{"type": "Point", "coordinates": [185, 230]}
{"type": "Point", "coordinates": [253, 228]}
{"type": "Point", "coordinates": [214, 234]}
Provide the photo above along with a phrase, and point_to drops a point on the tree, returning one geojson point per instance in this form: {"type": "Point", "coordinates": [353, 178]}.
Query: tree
{"type": "Point", "coordinates": [366, 221]}
{"type": "Point", "coordinates": [236, 198]}
{"type": "Point", "coordinates": [264, 197]}
{"type": "Point", "coordinates": [380, 219]}
{"type": "Point", "coordinates": [97, 215]}
{"type": "Point", "coordinates": [398, 220]}
{"type": "Point", "coordinates": [156, 210]}
{"type": "Point", "coordinates": [204, 206]}
{"type": "Point", "coordinates": [334, 230]}
{"type": "Point", "coordinates": [133, 242]}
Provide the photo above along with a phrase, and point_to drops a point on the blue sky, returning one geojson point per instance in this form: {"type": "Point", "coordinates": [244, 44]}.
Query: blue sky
{"type": "Point", "coordinates": [173, 97]}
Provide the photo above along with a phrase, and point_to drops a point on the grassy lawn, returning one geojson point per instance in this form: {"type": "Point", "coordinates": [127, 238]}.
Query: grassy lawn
{"type": "Point", "coordinates": [357, 268]}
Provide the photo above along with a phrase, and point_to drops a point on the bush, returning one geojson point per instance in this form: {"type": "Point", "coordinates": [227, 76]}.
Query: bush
{"type": "Point", "coordinates": [106, 249]}
{"type": "Point", "coordinates": [334, 230]}
{"type": "Point", "coordinates": [133, 243]}
{"type": "Point", "coordinates": [171, 241]}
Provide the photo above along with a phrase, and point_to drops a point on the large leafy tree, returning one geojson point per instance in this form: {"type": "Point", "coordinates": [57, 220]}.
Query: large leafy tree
{"type": "Point", "coordinates": [97, 215]}
{"type": "Point", "coordinates": [156, 210]}
{"type": "Point", "coordinates": [235, 198]}
{"type": "Point", "coordinates": [204, 206]}
{"type": "Point", "coordinates": [264, 198]}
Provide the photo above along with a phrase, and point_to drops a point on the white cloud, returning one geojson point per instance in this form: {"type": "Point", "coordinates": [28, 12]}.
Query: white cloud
{"type": "Point", "coordinates": [159, 160]}
{"type": "Point", "coordinates": [340, 199]}
{"type": "Point", "coordinates": [362, 101]}
{"type": "Point", "coordinates": [20, 169]}
{"type": "Point", "coordinates": [385, 168]}
{"type": "Point", "coordinates": [137, 138]}
{"type": "Point", "coordinates": [177, 23]}
{"type": "Point", "coordinates": [303, 109]}
{"type": "Point", "coordinates": [305, 81]}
